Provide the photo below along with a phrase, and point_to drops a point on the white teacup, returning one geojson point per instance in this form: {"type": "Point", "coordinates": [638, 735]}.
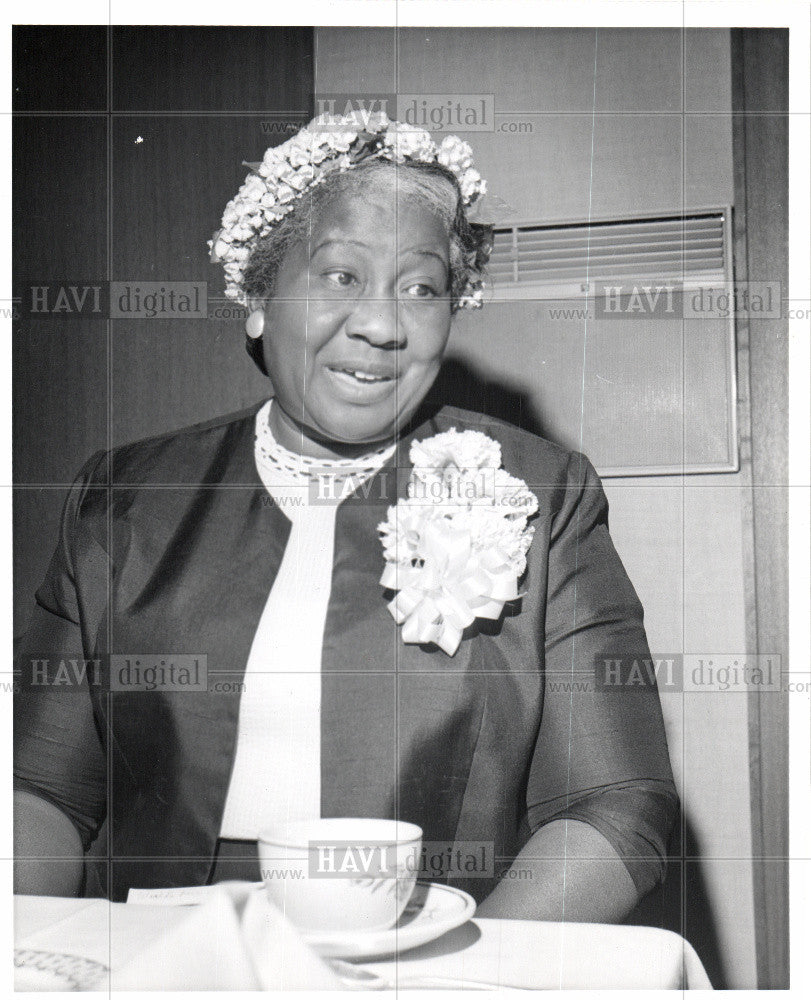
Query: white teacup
{"type": "Point", "coordinates": [341, 874]}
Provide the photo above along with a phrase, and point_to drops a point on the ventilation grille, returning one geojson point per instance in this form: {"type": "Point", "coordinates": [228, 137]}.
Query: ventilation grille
{"type": "Point", "coordinates": [678, 247]}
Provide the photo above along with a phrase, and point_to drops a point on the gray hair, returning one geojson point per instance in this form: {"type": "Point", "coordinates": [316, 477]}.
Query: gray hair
{"type": "Point", "coordinates": [431, 184]}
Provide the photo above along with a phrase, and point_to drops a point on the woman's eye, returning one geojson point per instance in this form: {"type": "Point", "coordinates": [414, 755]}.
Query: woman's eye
{"type": "Point", "coordinates": [419, 290]}
{"type": "Point", "coordinates": [342, 278]}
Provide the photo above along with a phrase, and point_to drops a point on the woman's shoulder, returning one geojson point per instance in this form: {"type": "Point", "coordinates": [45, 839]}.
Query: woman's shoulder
{"type": "Point", "coordinates": [197, 453]}
{"type": "Point", "coordinates": [524, 454]}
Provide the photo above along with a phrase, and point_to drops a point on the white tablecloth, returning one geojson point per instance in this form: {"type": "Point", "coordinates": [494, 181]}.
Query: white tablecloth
{"type": "Point", "coordinates": [204, 947]}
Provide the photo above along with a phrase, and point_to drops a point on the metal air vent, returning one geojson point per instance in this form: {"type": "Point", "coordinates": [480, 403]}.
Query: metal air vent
{"type": "Point", "coordinates": [547, 260]}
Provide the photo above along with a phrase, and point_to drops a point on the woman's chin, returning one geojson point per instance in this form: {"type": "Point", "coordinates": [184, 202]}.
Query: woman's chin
{"type": "Point", "coordinates": [343, 437]}
{"type": "Point", "coordinates": [346, 431]}
{"type": "Point", "coordinates": [357, 426]}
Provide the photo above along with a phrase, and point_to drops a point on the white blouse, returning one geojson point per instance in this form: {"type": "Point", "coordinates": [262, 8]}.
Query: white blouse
{"type": "Point", "coordinates": [276, 775]}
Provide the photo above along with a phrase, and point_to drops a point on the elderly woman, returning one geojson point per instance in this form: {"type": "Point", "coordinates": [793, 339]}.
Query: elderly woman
{"type": "Point", "coordinates": [401, 613]}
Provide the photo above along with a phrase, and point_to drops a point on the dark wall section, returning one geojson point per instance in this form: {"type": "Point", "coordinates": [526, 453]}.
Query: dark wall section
{"type": "Point", "coordinates": [59, 67]}
{"type": "Point", "coordinates": [127, 145]}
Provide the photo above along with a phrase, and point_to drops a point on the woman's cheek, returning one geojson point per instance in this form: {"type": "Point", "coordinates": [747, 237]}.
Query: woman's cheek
{"type": "Point", "coordinates": [428, 328]}
{"type": "Point", "coordinates": [324, 318]}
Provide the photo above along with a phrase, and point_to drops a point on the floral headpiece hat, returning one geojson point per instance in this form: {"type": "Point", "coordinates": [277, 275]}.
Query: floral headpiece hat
{"type": "Point", "coordinates": [338, 143]}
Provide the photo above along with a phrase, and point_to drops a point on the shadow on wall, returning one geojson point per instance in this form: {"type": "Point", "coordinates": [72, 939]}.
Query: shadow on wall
{"type": "Point", "coordinates": [682, 905]}
{"type": "Point", "coordinates": [459, 384]}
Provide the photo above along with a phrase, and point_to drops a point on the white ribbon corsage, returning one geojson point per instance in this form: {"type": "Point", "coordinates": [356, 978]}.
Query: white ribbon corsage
{"type": "Point", "coordinates": [456, 546]}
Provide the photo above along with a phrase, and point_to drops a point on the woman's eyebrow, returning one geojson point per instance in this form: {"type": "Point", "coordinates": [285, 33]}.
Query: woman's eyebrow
{"type": "Point", "coordinates": [416, 250]}
{"type": "Point", "coordinates": [425, 252]}
{"type": "Point", "coordinates": [329, 241]}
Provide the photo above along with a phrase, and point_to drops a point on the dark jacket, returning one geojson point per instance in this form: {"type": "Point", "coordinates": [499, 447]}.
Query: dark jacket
{"type": "Point", "coordinates": [169, 548]}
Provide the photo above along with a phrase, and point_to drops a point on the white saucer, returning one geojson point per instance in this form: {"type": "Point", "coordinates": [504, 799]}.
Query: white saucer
{"type": "Point", "coordinates": [432, 911]}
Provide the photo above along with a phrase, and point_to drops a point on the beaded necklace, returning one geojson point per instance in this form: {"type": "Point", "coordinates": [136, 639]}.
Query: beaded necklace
{"type": "Point", "coordinates": [303, 468]}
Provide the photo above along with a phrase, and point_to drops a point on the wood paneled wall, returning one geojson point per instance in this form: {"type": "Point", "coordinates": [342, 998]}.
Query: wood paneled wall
{"type": "Point", "coordinates": [128, 143]}
{"type": "Point", "coordinates": [760, 98]}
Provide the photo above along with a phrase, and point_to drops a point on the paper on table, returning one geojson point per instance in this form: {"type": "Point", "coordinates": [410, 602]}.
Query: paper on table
{"type": "Point", "coordinates": [186, 896]}
{"type": "Point", "coordinates": [234, 940]}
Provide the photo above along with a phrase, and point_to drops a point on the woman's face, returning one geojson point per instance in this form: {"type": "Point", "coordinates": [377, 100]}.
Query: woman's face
{"type": "Point", "coordinates": [356, 330]}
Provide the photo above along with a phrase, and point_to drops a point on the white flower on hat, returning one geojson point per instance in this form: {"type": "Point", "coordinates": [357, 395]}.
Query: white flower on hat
{"type": "Point", "coordinates": [302, 177]}
{"type": "Point", "coordinates": [455, 154]}
{"type": "Point", "coordinates": [332, 143]}
{"type": "Point", "coordinates": [285, 194]}
{"type": "Point", "coordinates": [298, 156]}
{"type": "Point", "coordinates": [471, 184]}
{"type": "Point", "coordinates": [318, 154]}
{"type": "Point", "coordinates": [407, 141]}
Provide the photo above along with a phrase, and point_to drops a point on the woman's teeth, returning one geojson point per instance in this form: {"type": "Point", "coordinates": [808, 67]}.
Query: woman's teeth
{"type": "Point", "coordinates": [365, 376]}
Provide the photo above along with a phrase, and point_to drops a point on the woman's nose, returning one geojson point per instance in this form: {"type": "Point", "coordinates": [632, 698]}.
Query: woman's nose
{"type": "Point", "coordinates": [375, 319]}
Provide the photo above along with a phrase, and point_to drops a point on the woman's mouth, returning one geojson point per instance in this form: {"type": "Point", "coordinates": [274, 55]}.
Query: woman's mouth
{"type": "Point", "coordinates": [361, 385]}
{"type": "Point", "coordinates": [363, 376]}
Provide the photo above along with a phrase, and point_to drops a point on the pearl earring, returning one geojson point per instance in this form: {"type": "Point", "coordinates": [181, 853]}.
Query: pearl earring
{"type": "Point", "coordinates": [255, 324]}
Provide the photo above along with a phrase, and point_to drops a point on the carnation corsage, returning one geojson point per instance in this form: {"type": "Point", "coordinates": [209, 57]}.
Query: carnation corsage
{"type": "Point", "coordinates": [456, 545]}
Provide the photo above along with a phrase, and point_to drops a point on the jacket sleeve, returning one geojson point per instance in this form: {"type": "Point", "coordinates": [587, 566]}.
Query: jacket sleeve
{"type": "Point", "coordinates": [58, 753]}
{"type": "Point", "coordinates": [601, 755]}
